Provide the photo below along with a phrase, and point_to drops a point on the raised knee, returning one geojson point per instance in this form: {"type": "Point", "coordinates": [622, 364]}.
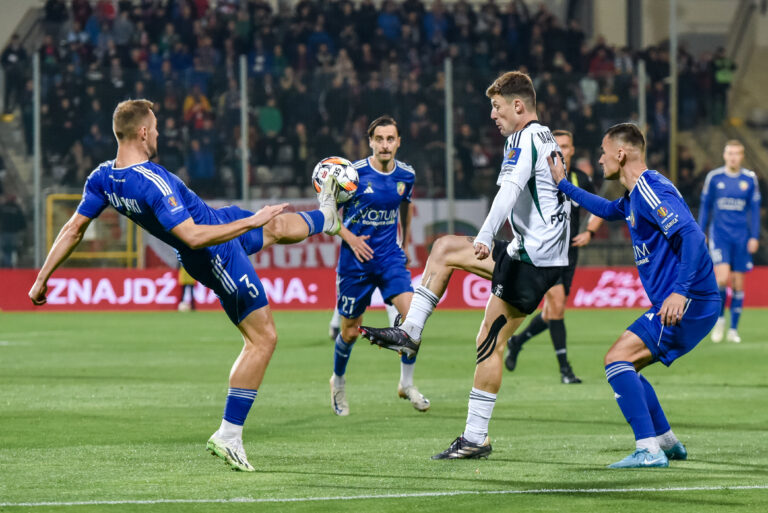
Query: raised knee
{"type": "Point", "coordinates": [440, 248]}
{"type": "Point", "coordinates": [349, 335]}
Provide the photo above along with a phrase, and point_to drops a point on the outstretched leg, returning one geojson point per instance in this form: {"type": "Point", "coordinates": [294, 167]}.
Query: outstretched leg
{"type": "Point", "coordinates": [448, 253]}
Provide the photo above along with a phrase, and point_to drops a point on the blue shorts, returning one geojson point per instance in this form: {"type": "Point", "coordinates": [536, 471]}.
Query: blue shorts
{"type": "Point", "coordinates": [354, 291]}
{"type": "Point", "coordinates": [731, 251]}
{"type": "Point", "coordinates": [227, 270]}
{"type": "Point", "coordinates": [253, 240]}
{"type": "Point", "coordinates": [668, 343]}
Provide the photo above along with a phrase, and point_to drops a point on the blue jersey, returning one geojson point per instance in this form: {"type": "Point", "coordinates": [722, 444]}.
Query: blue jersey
{"type": "Point", "coordinates": [374, 211]}
{"type": "Point", "coordinates": [662, 229]}
{"type": "Point", "coordinates": [731, 201]}
{"type": "Point", "coordinates": [150, 196]}
{"type": "Point", "coordinates": [158, 201]}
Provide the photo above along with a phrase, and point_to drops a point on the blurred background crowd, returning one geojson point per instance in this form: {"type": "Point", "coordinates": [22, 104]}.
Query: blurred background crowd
{"type": "Point", "coordinates": [320, 71]}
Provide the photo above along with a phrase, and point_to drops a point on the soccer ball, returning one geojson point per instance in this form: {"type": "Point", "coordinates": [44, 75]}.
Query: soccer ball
{"type": "Point", "coordinates": [342, 171]}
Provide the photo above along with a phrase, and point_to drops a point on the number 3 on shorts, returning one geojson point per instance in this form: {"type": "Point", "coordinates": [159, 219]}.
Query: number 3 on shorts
{"type": "Point", "coordinates": [252, 290]}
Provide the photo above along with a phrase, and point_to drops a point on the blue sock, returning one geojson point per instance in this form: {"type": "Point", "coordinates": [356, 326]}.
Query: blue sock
{"type": "Point", "coordinates": [239, 402]}
{"type": "Point", "coordinates": [406, 360]}
{"type": "Point", "coordinates": [737, 301]}
{"type": "Point", "coordinates": [660, 423]}
{"type": "Point", "coordinates": [315, 219]}
{"type": "Point", "coordinates": [341, 356]}
{"type": "Point", "coordinates": [723, 299]}
{"type": "Point", "coordinates": [631, 398]}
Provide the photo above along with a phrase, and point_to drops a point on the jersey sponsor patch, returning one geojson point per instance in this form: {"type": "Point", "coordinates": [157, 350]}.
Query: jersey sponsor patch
{"type": "Point", "coordinates": [662, 211]}
{"type": "Point", "coordinates": [513, 155]}
{"type": "Point", "coordinates": [173, 203]}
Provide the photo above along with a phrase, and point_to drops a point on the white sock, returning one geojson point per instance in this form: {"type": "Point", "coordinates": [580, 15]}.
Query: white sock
{"type": "Point", "coordinates": [406, 374]}
{"type": "Point", "coordinates": [391, 313]}
{"type": "Point", "coordinates": [339, 381]}
{"type": "Point", "coordinates": [422, 305]}
{"type": "Point", "coordinates": [479, 414]}
{"type": "Point", "coordinates": [667, 440]}
{"type": "Point", "coordinates": [649, 443]}
{"type": "Point", "coordinates": [230, 431]}
{"type": "Point", "coordinates": [336, 319]}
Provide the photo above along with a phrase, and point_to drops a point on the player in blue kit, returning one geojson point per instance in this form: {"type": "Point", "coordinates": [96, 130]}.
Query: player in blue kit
{"type": "Point", "coordinates": [730, 208]}
{"type": "Point", "coordinates": [677, 274]}
{"type": "Point", "coordinates": [370, 256]}
{"type": "Point", "coordinates": [212, 244]}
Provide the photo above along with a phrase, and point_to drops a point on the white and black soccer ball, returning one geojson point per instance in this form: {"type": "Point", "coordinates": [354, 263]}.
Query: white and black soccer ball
{"type": "Point", "coordinates": [341, 170]}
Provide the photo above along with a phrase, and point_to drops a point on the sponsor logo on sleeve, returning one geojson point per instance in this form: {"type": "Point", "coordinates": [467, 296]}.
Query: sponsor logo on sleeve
{"type": "Point", "coordinates": [512, 156]}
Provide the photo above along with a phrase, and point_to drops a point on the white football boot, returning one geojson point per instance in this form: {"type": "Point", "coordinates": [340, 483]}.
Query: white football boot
{"type": "Point", "coordinates": [733, 336]}
{"type": "Point", "coordinates": [339, 402]}
{"type": "Point", "coordinates": [719, 330]}
{"type": "Point", "coordinates": [231, 451]}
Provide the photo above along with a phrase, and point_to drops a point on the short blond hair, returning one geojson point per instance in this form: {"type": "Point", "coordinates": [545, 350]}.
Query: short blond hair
{"type": "Point", "coordinates": [128, 118]}
{"type": "Point", "coordinates": [513, 84]}
{"type": "Point", "coordinates": [733, 142]}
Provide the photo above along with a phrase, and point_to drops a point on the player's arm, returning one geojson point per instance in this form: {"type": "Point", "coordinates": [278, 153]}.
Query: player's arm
{"type": "Point", "coordinates": [593, 224]}
{"type": "Point", "coordinates": [601, 207]}
{"type": "Point", "coordinates": [66, 241]}
{"type": "Point", "coordinates": [406, 214]}
{"type": "Point", "coordinates": [754, 226]}
{"type": "Point", "coordinates": [515, 172]}
{"type": "Point", "coordinates": [198, 236]}
{"type": "Point", "coordinates": [706, 203]}
{"type": "Point", "coordinates": [357, 244]}
{"type": "Point", "coordinates": [501, 207]}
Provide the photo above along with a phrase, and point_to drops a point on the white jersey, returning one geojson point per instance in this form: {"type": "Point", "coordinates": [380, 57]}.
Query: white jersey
{"type": "Point", "coordinates": [540, 216]}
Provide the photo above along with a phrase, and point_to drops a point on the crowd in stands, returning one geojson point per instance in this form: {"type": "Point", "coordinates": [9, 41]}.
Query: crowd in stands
{"type": "Point", "coordinates": [319, 73]}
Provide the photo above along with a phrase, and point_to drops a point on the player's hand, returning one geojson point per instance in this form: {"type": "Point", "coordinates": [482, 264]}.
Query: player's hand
{"type": "Point", "coordinates": [556, 167]}
{"type": "Point", "coordinates": [360, 248]}
{"type": "Point", "coordinates": [752, 245]}
{"type": "Point", "coordinates": [582, 239]}
{"type": "Point", "coordinates": [407, 256]}
{"type": "Point", "coordinates": [672, 309]}
{"type": "Point", "coordinates": [482, 251]}
{"type": "Point", "coordinates": [37, 293]}
{"type": "Point", "coordinates": [267, 213]}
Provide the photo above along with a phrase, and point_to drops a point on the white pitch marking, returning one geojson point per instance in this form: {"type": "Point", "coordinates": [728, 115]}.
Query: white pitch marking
{"type": "Point", "coordinates": [251, 500]}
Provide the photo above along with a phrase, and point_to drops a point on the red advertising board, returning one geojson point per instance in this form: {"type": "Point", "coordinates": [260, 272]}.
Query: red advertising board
{"type": "Point", "coordinates": [306, 289]}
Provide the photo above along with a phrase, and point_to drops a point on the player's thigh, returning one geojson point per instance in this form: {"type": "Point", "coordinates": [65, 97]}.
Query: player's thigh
{"type": "Point", "coordinates": [285, 228]}
{"type": "Point", "coordinates": [722, 273]}
{"type": "Point", "coordinates": [521, 284]}
{"type": "Point", "coordinates": [258, 328]}
{"type": "Point", "coordinates": [554, 303]}
{"type": "Point", "coordinates": [737, 280]}
{"type": "Point", "coordinates": [230, 274]}
{"type": "Point", "coordinates": [394, 282]}
{"type": "Point", "coordinates": [741, 259]}
{"type": "Point", "coordinates": [354, 293]}
{"type": "Point", "coordinates": [667, 343]}
{"type": "Point", "coordinates": [458, 252]}
{"type": "Point", "coordinates": [629, 347]}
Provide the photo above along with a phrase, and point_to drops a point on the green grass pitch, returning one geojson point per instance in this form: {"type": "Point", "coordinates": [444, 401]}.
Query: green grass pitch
{"type": "Point", "coordinates": [111, 412]}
